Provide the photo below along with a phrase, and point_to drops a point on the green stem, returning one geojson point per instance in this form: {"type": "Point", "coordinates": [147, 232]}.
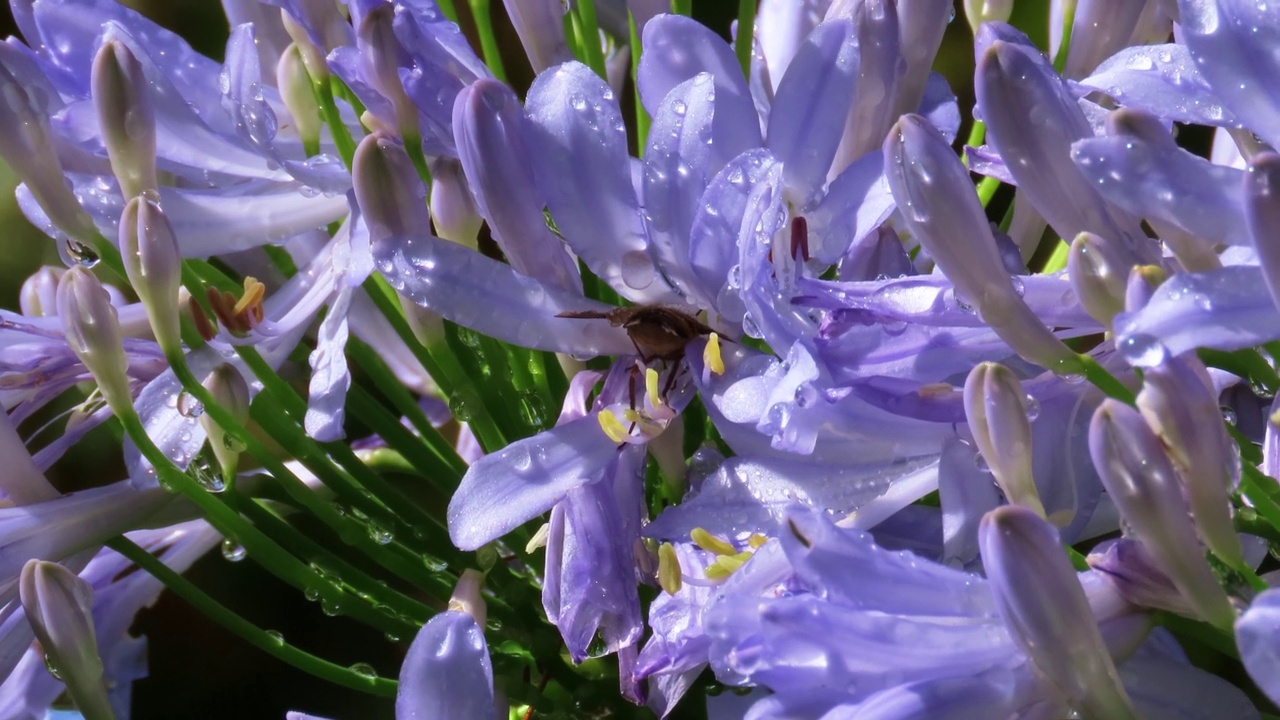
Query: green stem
{"type": "Point", "coordinates": [682, 7]}
{"type": "Point", "coordinates": [1255, 486]}
{"type": "Point", "coordinates": [1068, 23]}
{"type": "Point", "coordinates": [333, 118]}
{"type": "Point", "coordinates": [588, 31]}
{"type": "Point", "coordinates": [227, 521]}
{"type": "Point", "coordinates": [362, 584]}
{"type": "Point", "coordinates": [249, 632]}
{"type": "Point", "coordinates": [444, 457]}
{"type": "Point", "coordinates": [488, 43]}
{"type": "Point", "coordinates": [642, 115]}
{"type": "Point", "coordinates": [348, 530]}
{"type": "Point", "coordinates": [746, 29]}
{"type": "Point", "coordinates": [987, 188]}
{"type": "Point", "coordinates": [1103, 380]}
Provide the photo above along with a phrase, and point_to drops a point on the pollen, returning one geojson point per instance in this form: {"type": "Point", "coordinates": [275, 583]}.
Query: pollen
{"type": "Point", "coordinates": [711, 543]}
{"type": "Point", "coordinates": [669, 573]}
{"type": "Point", "coordinates": [240, 314]}
{"type": "Point", "coordinates": [612, 427]}
{"type": "Point", "coordinates": [651, 388]}
{"type": "Point", "coordinates": [711, 355]}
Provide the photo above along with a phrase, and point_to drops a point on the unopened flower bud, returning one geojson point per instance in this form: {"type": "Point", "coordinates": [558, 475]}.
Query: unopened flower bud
{"type": "Point", "coordinates": [151, 259]}
{"type": "Point", "coordinates": [381, 58]}
{"type": "Point", "coordinates": [59, 606]}
{"type": "Point", "coordinates": [452, 205]}
{"type": "Point", "coordinates": [1142, 283]}
{"type": "Point", "coordinates": [1179, 403]}
{"type": "Point", "coordinates": [1129, 567]}
{"type": "Point", "coordinates": [39, 294]}
{"type": "Point", "coordinates": [1046, 611]}
{"type": "Point", "coordinates": [981, 11]}
{"type": "Point", "coordinates": [1144, 486]}
{"type": "Point", "coordinates": [1098, 277]}
{"type": "Point", "coordinates": [93, 333]}
{"type": "Point", "coordinates": [26, 146]}
{"type": "Point", "coordinates": [1014, 82]}
{"type": "Point", "coordinates": [934, 193]}
{"type": "Point", "coordinates": [312, 57]}
{"type": "Point", "coordinates": [540, 25]}
{"type": "Point", "coordinates": [387, 188]}
{"type": "Point", "coordinates": [997, 414]}
{"type": "Point", "coordinates": [128, 124]}
{"type": "Point", "coordinates": [468, 595]}
{"type": "Point", "coordinates": [231, 392]}
{"type": "Point", "coordinates": [295, 90]}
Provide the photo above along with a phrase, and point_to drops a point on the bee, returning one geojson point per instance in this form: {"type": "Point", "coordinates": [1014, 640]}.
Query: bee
{"type": "Point", "coordinates": [658, 332]}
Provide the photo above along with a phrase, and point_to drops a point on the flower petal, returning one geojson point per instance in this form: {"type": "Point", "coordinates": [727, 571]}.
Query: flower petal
{"type": "Point", "coordinates": [492, 298]}
{"type": "Point", "coordinates": [524, 479]}
{"type": "Point", "coordinates": [677, 48]}
{"type": "Point", "coordinates": [580, 157]}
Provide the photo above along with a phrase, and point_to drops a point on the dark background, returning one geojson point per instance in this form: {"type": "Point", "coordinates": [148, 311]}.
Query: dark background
{"type": "Point", "coordinates": [198, 670]}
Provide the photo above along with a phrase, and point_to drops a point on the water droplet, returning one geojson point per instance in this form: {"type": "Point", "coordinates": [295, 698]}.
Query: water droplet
{"type": "Point", "coordinates": [981, 463]}
{"type": "Point", "coordinates": [434, 564]}
{"type": "Point", "coordinates": [331, 607]}
{"type": "Point", "coordinates": [364, 670]}
{"type": "Point", "coordinates": [1142, 350]}
{"type": "Point", "coordinates": [379, 534]}
{"type": "Point", "coordinates": [960, 302]}
{"type": "Point", "coordinates": [77, 253]}
{"type": "Point", "coordinates": [276, 636]}
{"type": "Point", "coordinates": [468, 337]}
{"type": "Point", "coordinates": [232, 550]}
{"type": "Point", "coordinates": [637, 269]}
{"type": "Point", "coordinates": [532, 410]}
{"type": "Point", "coordinates": [1228, 415]}
{"type": "Point", "coordinates": [392, 637]}
{"type": "Point", "coordinates": [311, 594]}
{"type": "Point", "coordinates": [1019, 288]}
{"type": "Point", "coordinates": [51, 667]}
{"type": "Point", "coordinates": [1032, 407]}
{"type": "Point", "coordinates": [188, 406]}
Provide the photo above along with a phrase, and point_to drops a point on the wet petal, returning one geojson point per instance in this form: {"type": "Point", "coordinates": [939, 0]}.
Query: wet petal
{"type": "Point", "coordinates": [677, 48]}
{"type": "Point", "coordinates": [580, 152]}
{"type": "Point", "coordinates": [816, 95]}
{"type": "Point", "coordinates": [1226, 309]}
{"type": "Point", "coordinates": [524, 479]}
{"type": "Point", "coordinates": [492, 298]}
{"type": "Point", "coordinates": [1257, 633]}
{"type": "Point", "coordinates": [1163, 80]}
{"type": "Point", "coordinates": [447, 672]}
{"type": "Point", "coordinates": [1232, 42]}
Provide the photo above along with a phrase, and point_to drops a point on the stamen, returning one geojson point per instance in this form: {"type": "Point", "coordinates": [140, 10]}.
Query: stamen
{"type": "Point", "coordinates": [800, 237]}
{"type": "Point", "coordinates": [711, 543]}
{"type": "Point", "coordinates": [757, 541]}
{"type": "Point", "coordinates": [254, 291]}
{"type": "Point", "coordinates": [669, 573]}
{"type": "Point", "coordinates": [609, 423]}
{"type": "Point", "coordinates": [711, 355]}
{"type": "Point", "coordinates": [651, 387]}
{"type": "Point", "coordinates": [539, 538]}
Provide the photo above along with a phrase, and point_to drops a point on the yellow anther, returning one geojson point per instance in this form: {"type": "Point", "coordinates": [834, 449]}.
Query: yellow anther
{"type": "Point", "coordinates": [711, 355]}
{"type": "Point", "coordinates": [651, 387]}
{"type": "Point", "coordinates": [1275, 418]}
{"type": "Point", "coordinates": [254, 291]}
{"type": "Point", "coordinates": [711, 543]}
{"type": "Point", "coordinates": [669, 577]}
{"type": "Point", "coordinates": [632, 415]}
{"type": "Point", "coordinates": [616, 431]}
{"type": "Point", "coordinates": [757, 541]}
{"type": "Point", "coordinates": [725, 565]}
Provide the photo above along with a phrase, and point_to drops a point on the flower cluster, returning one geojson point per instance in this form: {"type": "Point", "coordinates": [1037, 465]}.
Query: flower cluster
{"type": "Point", "coordinates": [700, 375]}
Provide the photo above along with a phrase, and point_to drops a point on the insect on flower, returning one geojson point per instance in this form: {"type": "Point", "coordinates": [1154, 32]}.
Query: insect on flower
{"type": "Point", "coordinates": [657, 331]}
